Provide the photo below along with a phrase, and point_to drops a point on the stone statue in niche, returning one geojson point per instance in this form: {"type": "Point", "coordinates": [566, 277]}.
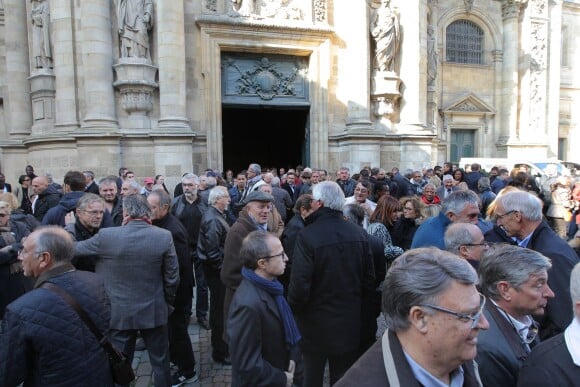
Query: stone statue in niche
{"type": "Point", "coordinates": [40, 19]}
{"type": "Point", "coordinates": [385, 30]}
{"type": "Point", "coordinates": [432, 55]}
{"type": "Point", "coordinates": [135, 20]}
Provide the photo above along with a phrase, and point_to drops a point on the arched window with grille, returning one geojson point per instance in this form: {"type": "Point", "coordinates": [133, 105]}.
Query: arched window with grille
{"type": "Point", "coordinates": [464, 42]}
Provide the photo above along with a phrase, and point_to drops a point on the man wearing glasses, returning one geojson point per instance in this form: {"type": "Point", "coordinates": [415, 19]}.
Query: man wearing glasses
{"type": "Point", "coordinates": [433, 313]}
{"type": "Point", "coordinates": [519, 214]}
{"type": "Point", "coordinates": [515, 281]}
{"type": "Point", "coordinates": [466, 240]}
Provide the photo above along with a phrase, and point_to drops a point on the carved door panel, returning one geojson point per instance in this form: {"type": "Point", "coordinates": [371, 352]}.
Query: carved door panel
{"type": "Point", "coordinates": [462, 144]}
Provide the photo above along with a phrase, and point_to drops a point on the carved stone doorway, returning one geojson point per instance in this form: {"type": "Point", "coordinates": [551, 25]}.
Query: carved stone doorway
{"type": "Point", "coordinates": [273, 136]}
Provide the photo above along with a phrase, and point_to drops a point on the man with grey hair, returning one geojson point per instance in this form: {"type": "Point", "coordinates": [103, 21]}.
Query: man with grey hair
{"type": "Point", "coordinates": [331, 282]}
{"type": "Point", "coordinates": [189, 208]}
{"type": "Point", "coordinates": [130, 187]}
{"type": "Point", "coordinates": [515, 281]}
{"type": "Point", "coordinates": [466, 240]}
{"type": "Point", "coordinates": [433, 313]}
{"type": "Point", "coordinates": [180, 349]}
{"type": "Point", "coordinates": [557, 360]}
{"type": "Point", "coordinates": [254, 174]}
{"type": "Point", "coordinates": [485, 194]}
{"type": "Point", "coordinates": [210, 250]}
{"type": "Point", "coordinates": [139, 266]}
{"type": "Point", "coordinates": [519, 214]}
{"type": "Point", "coordinates": [42, 340]}
{"type": "Point", "coordinates": [446, 188]}
{"type": "Point", "coordinates": [459, 207]}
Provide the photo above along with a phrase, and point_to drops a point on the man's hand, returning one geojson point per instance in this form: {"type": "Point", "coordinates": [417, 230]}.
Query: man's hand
{"type": "Point", "coordinates": [290, 373]}
{"type": "Point", "coordinates": [70, 218]}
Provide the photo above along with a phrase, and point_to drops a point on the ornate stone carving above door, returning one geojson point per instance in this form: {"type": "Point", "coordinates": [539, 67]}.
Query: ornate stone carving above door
{"type": "Point", "coordinates": [264, 79]}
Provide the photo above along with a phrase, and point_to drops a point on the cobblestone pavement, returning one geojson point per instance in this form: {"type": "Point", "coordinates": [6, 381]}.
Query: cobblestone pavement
{"type": "Point", "coordinates": [211, 374]}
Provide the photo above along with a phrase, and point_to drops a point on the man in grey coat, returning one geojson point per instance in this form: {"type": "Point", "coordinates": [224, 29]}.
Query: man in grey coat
{"type": "Point", "coordinates": [139, 266]}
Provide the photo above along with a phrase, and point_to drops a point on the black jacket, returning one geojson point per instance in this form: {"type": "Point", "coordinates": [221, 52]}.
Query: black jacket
{"type": "Point", "coordinates": [45, 201]}
{"type": "Point", "coordinates": [332, 278]}
{"type": "Point", "coordinates": [212, 238]}
{"type": "Point", "coordinates": [184, 291]}
{"type": "Point", "coordinates": [45, 343]}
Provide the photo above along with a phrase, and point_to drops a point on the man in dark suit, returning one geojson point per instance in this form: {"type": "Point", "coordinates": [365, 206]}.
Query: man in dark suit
{"type": "Point", "coordinates": [555, 361]}
{"type": "Point", "coordinates": [180, 349]}
{"type": "Point", "coordinates": [446, 187]}
{"type": "Point", "coordinates": [139, 266]}
{"type": "Point", "coordinates": [90, 184]}
{"type": "Point", "coordinates": [4, 186]}
{"type": "Point", "coordinates": [519, 214]}
{"type": "Point", "coordinates": [515, 279]}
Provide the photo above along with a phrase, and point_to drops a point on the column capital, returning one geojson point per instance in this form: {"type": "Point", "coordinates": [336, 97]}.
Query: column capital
{"type": "Point", "coordinates": [511, 8]}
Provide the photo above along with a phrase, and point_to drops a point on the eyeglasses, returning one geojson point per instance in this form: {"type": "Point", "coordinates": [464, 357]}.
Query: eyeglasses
{"type": "Point", "coordinates": [408, 209]}
{"type": "Point", "coordinates": [94, 213]}
{"type": "Point", "coordinates": [497, 216]}
{"type": "Point", "coordinates": [474, 318]}
{"type": "Point", "coordinates": [484, 244]}
{"type": "Point", "coordinates": [281, 255]}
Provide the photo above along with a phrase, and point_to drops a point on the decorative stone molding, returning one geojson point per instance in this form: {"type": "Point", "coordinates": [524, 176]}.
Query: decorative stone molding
{"type": "Point", "coordinates": [511, 8]}
{"type": "Point", "coordinates": [136, 83]}
{"type": "Point", "coordinates": [42, 94]}
{"type": "Point", "coordinates": [385, 97]}
{"type": "Point", "coordinates": [264, 79]}
{"type": "Point", "coordinates": [320, 11]}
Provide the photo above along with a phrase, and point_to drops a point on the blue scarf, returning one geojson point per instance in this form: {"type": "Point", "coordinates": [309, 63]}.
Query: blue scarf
{"type": "Point", "coordinates": [275, 289]}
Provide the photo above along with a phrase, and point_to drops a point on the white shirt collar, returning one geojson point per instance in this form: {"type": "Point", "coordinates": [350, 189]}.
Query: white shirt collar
{"type": "Point", "coordinates": [572, 338]}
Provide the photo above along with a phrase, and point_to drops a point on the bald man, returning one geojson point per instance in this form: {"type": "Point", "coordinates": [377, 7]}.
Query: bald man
{"type": "Point", "coordinates": [45, 197]}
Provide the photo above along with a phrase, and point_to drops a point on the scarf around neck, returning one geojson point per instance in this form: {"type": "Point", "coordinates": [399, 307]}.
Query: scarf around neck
{"type": "Point", "coordinates": [276, 290]}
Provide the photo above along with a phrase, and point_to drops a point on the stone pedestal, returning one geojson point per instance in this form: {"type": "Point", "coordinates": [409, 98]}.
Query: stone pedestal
{"type": "Point", "coordinates": [42, 94]}
{"type": "Point", "coordinates": [385, 98]}
{"type": "Point", "coordinates": [136, 83]}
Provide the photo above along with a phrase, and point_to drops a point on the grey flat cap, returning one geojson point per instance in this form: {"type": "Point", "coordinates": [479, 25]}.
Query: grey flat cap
{"type": "Point", "coordinates": [258, 196]}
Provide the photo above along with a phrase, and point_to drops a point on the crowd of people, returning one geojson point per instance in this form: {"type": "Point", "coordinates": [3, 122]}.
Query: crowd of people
{"type": "Point", "coordinates": [476, 274]}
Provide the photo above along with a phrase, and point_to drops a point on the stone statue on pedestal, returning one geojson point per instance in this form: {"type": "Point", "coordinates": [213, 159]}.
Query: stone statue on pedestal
{"type": "Point", "coordinates": [135, 19]}
{"type": "Point", "coordinates": [384, 28]}
{"type": "Point", "coordinates": [432, 56]}
{"type": "Point", "coordinates": [40, 18]}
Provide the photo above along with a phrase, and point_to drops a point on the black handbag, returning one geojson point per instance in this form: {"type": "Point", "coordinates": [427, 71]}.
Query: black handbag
{"type": "Point", "coordinates": [120, 366]}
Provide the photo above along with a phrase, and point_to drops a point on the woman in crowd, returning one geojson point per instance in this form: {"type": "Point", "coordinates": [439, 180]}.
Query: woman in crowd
{"type": "Point", "coordinates": [383, 218]}
{"type": "Point", "coordinates": [559, 212]}
{"type": "Point", "coordinates": [458, 176]}
{"type": "Point", "coordinates": [22, 193]}
{"type": "Point", "coordinates": [407, 224]}
{"type": "Point", "coordinates": [160, 182]}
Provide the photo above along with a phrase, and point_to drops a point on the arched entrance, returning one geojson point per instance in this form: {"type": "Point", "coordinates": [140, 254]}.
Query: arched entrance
{"type": "Point", "coordinates": [273, 136]}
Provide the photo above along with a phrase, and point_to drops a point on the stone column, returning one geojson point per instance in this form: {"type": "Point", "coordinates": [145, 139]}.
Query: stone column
{"type": "Point", "coordinates": [353, 90]}
{"type": "Point", "coordinates": [172, 77]}
{"type": "Point", "coordinates": [553, 115]}
{"type": "Point", "coordinates": [17, 106]}
{"type": "Point", "coordinates": [413, 67]}
{"type": "Point", "coordinates": [97, 65]}
{"type": "Point", "coordinates": [64, 66]}
{"type": "Point", "coordinates": [509, 102]}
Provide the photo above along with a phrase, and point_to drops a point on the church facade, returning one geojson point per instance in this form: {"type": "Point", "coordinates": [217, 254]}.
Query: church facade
{"type": "Point", "coordinates": [167, 87]}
